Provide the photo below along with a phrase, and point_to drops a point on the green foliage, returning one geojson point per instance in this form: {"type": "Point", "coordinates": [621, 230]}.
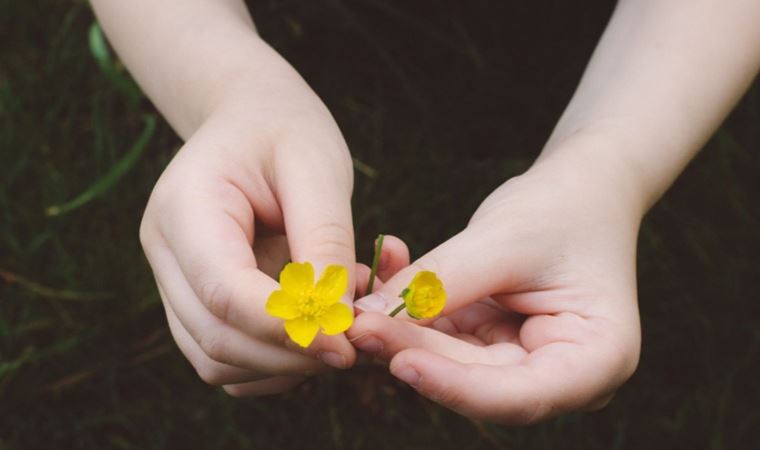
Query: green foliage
{"type": "Point", "coordinates": [440, 104]}
{"type": "Point", "coordinates": [113, 71]}
{"type": "Point", "coordinates": [115, 173]}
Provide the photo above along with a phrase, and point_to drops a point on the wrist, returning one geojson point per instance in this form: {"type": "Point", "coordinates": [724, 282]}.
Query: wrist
{"type": "Point", "coordinates": [265, 96]}
{"type": "Point", "coordinates": [252, 76]}
{"type": "Point", "coordinates": [594, 166]}
{"type": "Point", "coordinates": [251, 81]}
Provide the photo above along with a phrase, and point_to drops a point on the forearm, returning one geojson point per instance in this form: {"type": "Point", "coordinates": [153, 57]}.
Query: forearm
{"type": "Point", "coordinates": [663, 77]}
{"type": "Point", "coordinates": [187, 55]}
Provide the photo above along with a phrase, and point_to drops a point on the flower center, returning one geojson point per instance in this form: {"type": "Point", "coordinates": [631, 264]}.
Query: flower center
{"type": "Point", "coordinates": [310, 305]}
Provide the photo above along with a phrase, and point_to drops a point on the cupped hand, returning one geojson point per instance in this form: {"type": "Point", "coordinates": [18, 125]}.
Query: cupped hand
{"type": "Point", "coordinates": [267, 178]}
{"type": "Point", "coordinates": [542, 313]}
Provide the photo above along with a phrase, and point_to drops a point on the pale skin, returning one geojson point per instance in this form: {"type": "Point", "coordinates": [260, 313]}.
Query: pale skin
{"type": "Point", "coordinates": [542, 315]}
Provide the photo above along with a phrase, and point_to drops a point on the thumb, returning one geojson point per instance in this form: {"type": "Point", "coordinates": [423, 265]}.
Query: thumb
{"type": "Point", "coordinates": [472, 265]}
{"type": "Point", "coordinates": [315, 199]}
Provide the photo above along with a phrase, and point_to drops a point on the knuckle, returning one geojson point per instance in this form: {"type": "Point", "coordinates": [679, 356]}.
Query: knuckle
{"type": "Point", "coordinates": [235, 391]}
{"type": "Point", "coordinates": [145, 233]}
{"type": "Point", "coordinates": [163, 195]}
{"type": "Point", "coordinates": [629, 362]}
{"type": "Point", "coordinates": [160, 201]}
{"type": "Point", "coordinates": [148, 233]}
{"type": "Point", "coordinates": [217, 298]}
{"type": "Point", "coordinates": [622, 358]}
{"type": "Point", "coordinates": [211, 373]}
{"type": "Point", "coordinates": [536, 410]}
{"type": "Point", "coordinates": [332, 239]}
{"type": "Point", "coordinates": [449, 396]}
{"type": "Point", "coordinates": [599, 403]}
{"type": "Point", "coordinates": [214, 345]}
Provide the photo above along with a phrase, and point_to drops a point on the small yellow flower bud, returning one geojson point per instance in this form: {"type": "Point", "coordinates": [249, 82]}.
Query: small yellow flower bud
{"type": "Point", "coordinates": [424, 297]}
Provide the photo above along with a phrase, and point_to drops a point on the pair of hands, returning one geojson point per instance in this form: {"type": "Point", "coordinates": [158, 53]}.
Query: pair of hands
{"type": "Point", "coordinates": [541, 317]}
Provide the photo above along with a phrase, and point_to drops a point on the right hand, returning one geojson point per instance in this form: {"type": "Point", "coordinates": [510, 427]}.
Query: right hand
{"type": "Point", "coordinates": [266, 178]}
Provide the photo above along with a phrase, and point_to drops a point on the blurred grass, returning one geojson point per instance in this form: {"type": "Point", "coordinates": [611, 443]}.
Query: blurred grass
{"type": "Point", "coordinates": [441, 102]}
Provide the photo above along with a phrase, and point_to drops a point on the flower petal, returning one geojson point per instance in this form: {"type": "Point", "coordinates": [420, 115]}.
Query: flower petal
{"type": "Point", "coordinates": [425, 278]}
{"type": "Point", "coordinates": [337, 319]}
{"type": "Point", "coordinates": [332, 285]}
{"type": "Point", "coordinates": [302, 331]}
{"type": "Point", "coordinates": [283, 305]}
{"type": "Point", "coordinates": [429, 307]}
{"type": "Point", "coordinates": [296, 278]}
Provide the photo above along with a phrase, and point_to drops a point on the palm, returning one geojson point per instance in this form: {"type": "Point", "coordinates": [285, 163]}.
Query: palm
{"type": "Point", "coordinates": [483, 323]}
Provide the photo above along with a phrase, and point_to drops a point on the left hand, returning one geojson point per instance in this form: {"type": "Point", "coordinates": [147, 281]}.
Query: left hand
{"type": "Point", "coordinates": [542, 315]}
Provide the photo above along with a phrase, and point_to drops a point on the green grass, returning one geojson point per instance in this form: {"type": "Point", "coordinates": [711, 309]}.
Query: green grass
{"type": "Point", "coordinates": [442, 102]}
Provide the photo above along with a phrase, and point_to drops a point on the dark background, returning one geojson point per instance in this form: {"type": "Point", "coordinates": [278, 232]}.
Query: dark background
{"type": "Point", "coordinates": [440, 102]}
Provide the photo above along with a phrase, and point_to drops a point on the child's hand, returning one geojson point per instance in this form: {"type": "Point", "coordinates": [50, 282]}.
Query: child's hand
{"type": "Point", "coordinates": [542, 315]}
{"type": "Point", "coordinates": [270, 155]}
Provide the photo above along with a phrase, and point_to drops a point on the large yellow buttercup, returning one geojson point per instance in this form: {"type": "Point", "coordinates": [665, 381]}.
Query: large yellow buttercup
{"type": "Point", "coordinates": [307, 307]}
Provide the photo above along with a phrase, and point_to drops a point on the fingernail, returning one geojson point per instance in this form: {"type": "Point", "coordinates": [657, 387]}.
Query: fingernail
{"type": "Point", "coordinates": [369, 344]}
{"type": "Point", "coordinates": [372, 303]}
{"type": "Point", "coordinates": [408, 375]}
{"type": "Point", "coordinates": [333, 359]}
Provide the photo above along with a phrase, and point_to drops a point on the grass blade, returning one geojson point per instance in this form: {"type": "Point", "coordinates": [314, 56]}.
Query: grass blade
{"type": "Point", "coordinates": [99, 48]}
{"type": "Point", "coordinates": [113, 176]}
{"type": "Point", "coordinates": [44, 291]}
{"type": "Point", "coordinates": [110, 68]}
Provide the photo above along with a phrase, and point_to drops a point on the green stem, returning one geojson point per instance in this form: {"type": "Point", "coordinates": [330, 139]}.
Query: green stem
{"type": "Point", "coordinates": [398, 309]}
{"type": "Point", "coordinates": [375, 262]}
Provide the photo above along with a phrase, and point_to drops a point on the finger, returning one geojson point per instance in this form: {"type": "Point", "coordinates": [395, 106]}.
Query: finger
{"type": "Point", "coordinates": [485, 320]}
{"type": "Point", "coordinates": [556, 378]}
{"type": "Point", "coordinates": [470, 265]}
{"type": "Point", "coordinates": [394, 256]}
{"type": "Point", "coordinates": [316, 206]}
{"type": "Point", "coordinates": [210, 371]}
{"type": "Point", "coordinates": [315, 199]}
{"type": "Point", "coordinates": [217, 339]}
{"type": "Point", "coordinates": [210, 237]}
{"type": "Point", "coordinates": [362, 278]}
{"type": "Point", "coordinates": [274, 385]}
{"type": "Point", "coordinates": [208, 227]}
{"type": "Point", "coordinates": [384, 337]}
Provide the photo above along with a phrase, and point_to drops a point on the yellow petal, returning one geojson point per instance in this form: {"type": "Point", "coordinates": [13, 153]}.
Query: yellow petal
{"type": "Point", "coordinates": [431, 307]}
{"type": "Point", "coordinates": [332, 285]}
{"type": "Point", "coordinates": [283, 305]}
{"type": "Point", "coordinates": [296, 278]}
{"type": "Point", "coordinates": [425, 278]}
{"type": "Point", "coordinates": [302, 331]}
{"type": "Point", "coordinates": [337, 319]}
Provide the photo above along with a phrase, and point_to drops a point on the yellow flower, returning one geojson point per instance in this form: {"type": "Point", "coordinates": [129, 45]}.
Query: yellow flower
{"type": "Point", "coordinates": [306, 307]}
{"type": "Point", "coordinates": [425, 296]}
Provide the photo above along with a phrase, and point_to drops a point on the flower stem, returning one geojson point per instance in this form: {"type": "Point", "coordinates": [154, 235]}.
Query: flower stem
{"type": "Point", "coordinates": [375, 262]}
{"type": "Point", "coordinates": [398, 309]}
